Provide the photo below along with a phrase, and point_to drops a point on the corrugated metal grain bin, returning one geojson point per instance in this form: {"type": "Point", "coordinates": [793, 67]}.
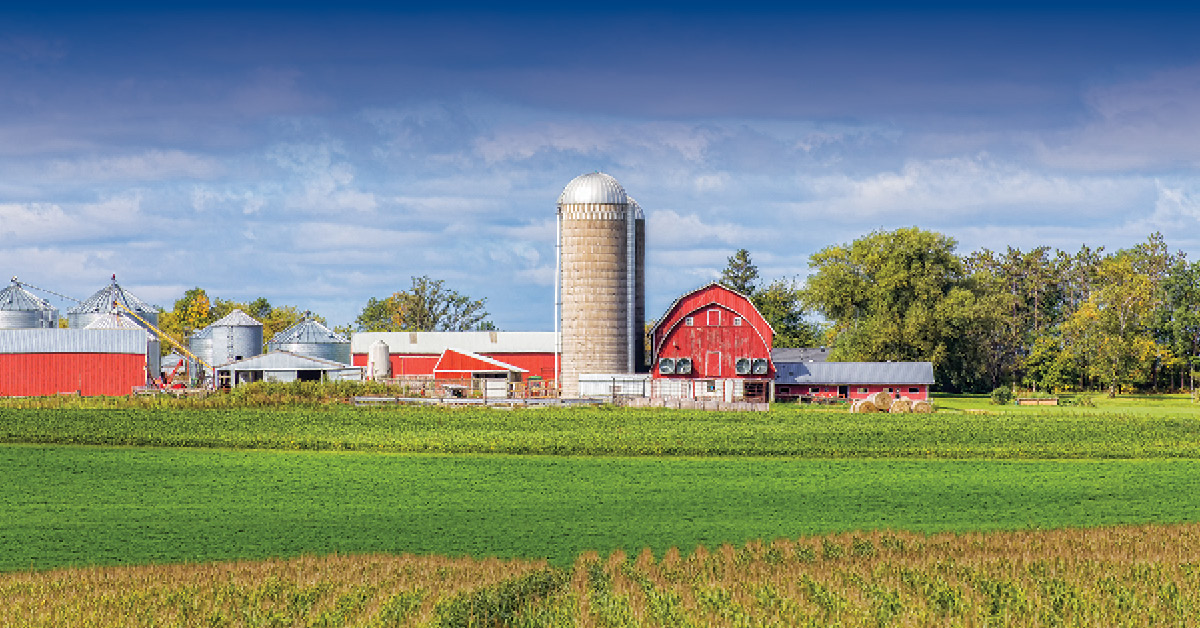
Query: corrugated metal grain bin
{"type": "Point", "coordinates": [35, 362]}
{"type": "Point", "coordinates": [101, 304]}
{"type": "Point", "coordinates": [235, 337]}
{"type": "Point", "coordinates": [312, 339]}
{"type": "Point", "coordinates": [118, 321]}
{"type": "Point", "coordinates": [21, 309]}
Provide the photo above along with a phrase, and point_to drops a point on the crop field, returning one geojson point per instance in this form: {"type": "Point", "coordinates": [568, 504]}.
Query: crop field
{"type": "Point", "coordinates": [62, 505]}
{"type": "Point", "coordinates": [1117, 576]}
{"type": "Point", "coordinates": [1172, 430]}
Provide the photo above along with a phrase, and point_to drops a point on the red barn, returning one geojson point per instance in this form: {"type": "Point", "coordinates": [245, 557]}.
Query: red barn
{"type": "Point", "coordinates": [38, 362]}
{"type": "Point", "coordinates": [715, 340]}
{"type": "Point", "coordinates": [416, 354]}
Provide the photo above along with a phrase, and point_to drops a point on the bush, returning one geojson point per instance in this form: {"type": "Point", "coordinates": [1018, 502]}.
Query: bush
{"type": "Point", "coordinates": [1002, 395]}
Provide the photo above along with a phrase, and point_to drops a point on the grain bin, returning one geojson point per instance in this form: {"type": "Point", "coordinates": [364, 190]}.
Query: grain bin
{"type": "Point", "coordinates": [236, 336]}
{"type": "Point", "coordinates": [21, 309]}
{"type": "Point", "coordinates": [379, 360]}
{"type": "Point", "coordinates": [311, 338]}
{"type": "Point", "coordinates": [101, 304]}
{"type": "Point", "coordinates": [599, 291]}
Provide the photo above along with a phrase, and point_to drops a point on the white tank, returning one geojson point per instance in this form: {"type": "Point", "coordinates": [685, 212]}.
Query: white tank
{"type": "Point", "coordinates": [379, 360]}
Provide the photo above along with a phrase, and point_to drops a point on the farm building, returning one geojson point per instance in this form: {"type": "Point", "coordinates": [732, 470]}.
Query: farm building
{"type": "Point", "coordinates": [416, 354]}
{"type": "Point", "coordinates": [852, 380]}
{"type": "Point", "coordinates": [35, 362]}
{"type": "Point", "coordinates": [311, 338]}
{"type": "Point", "coordinates": [712, 342]}
{"type": "Point", "coordinates": [283, 366]}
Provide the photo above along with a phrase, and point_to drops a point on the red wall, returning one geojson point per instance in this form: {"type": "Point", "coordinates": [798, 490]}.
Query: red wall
{"type": "Point", "coordinates": [36, 374]}
{"type": "Point", "coordinates": [713, 342]}
{"type": "Point", "coordinates": [541, 364]}
{"type": "Point", "coordinates": [792, 391]}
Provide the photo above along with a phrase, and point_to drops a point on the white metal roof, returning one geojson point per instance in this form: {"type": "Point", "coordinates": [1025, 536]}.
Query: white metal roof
{"type": "Point", "coordinates": [854, 373]}
{"type": "Point", "coordinates": [236, 318]}
{"type": "Point", "coordinates": [283, 361]}
{"type": "Point", "coordinates": [131, 341]}
{"type": "Point", "coordinates": [118, 320]}
{"type": "Point", "coordinates": [16, 298]}
{"type": "Point", "coordinates": [500, 366]}
{"type": "Point", "coordinates": [435, 342]}
{"type": "Point", "coordinates": [308, 332]}
{"type": "Point", "coordinates": [103, 299]}
{"type": "Point", "coordinates": [593, 188]}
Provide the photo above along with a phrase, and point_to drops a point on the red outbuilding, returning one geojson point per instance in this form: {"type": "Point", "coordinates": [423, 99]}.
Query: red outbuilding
{"type": "Point", "coordinates": [38, 362]}
{"type": "Point", "coordinates": [716, 340]}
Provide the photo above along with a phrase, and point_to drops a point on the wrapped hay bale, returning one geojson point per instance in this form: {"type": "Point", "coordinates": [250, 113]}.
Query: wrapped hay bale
{"type": "Point", "coordinates": [900, 406]}
{"type": "Point", "coordinates": [882, 400]}
{"type": "Point", "coordinates": [922, 407]}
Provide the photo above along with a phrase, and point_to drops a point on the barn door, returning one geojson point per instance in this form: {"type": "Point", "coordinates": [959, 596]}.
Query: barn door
{"type": "Point", "coordinates": [712, 364]}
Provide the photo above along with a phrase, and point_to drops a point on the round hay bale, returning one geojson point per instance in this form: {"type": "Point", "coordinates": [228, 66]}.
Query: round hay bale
{"type": "Point", "coordinates": [922, 407]}
{"type": "Point", "coordinates": [863, 406]}
{"type": "Point", "coordinates": [882, 400]}
{"type": "Point", "coordinates": [900, 406]}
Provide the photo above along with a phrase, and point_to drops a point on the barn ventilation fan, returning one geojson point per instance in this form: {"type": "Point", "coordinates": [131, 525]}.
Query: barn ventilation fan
{"type": "Point", "coordinates": [760, 366]}
{"type": "Point", "coordinates": [666, 366]}
{"type": "Point", "coordinates": [683, 366]}
{"type": "Point", "coordinates": [742, 366]}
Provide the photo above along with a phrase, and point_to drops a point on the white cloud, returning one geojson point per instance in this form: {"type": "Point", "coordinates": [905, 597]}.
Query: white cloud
{"type": "Point", "coordinates": [154, 165]}
{"type": "Point", "coordinates": [324, 180]}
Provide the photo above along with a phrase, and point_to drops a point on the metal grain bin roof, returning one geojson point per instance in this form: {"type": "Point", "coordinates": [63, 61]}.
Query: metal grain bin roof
{"type": "Point", "coordinates": [14, 298]}
{"type": "Point", "coordinates": [117, 320]}
{"type": "Point", "coordinates": [636, 209]}
{"type": "Point", "coordinates": [102, 301]}
{"type": "Point", "coordinates": [854, 373]}
{"type": "Point", "coordinates": [308, 332]}
{"type": "Point", "coordinates": [73, 341]}
{"type": "Point", "coordinates": [236, 318]}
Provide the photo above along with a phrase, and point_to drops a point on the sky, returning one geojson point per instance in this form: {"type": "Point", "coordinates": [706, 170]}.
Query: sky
{"type": "Point", "coordinates": [319, 157]}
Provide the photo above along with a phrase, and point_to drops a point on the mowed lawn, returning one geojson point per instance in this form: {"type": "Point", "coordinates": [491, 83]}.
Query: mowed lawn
{"type": "Point", "coordinates": [69, 505]}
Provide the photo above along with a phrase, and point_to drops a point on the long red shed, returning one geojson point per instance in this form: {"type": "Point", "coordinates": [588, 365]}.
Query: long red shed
{"type": "Point", "coordinates": [38, 362]}
{"type": "Point", "coordinates": [713, 333]}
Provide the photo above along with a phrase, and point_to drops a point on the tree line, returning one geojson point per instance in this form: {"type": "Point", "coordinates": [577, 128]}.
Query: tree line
{"type": "Point", "coordinates": [1043, 319]}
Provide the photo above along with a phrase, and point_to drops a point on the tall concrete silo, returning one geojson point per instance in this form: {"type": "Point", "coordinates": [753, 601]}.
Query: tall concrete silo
{"type": "Point", "coordinates": [599, 293]}
{"type": "Point", "coordinates": [101, 303]}
{"type": "Point", "coordinates": [21, 309]}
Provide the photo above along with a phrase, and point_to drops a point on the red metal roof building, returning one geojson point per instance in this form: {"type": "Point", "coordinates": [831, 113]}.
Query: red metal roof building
{"type": "Point", "coordinates": [39, 362]}
{"type": "Point", "coordinates": [714, 334]}
{"type": "Point", "coordinates": [416, 354]}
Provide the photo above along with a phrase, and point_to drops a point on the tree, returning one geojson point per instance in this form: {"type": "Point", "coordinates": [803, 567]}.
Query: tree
{"type": "Point", "coordinates": [781, 303]}
{"type": "Point", "coordinates": [900, 295]}
{"type": "Point", "coordinates": [190, 313]}
{"type": "Point", "coordinates": [740, 275]}
{"type": "Point", "coordinates": [426, 306]}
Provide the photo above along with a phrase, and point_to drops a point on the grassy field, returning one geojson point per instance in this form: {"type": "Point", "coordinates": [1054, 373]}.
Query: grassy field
{"type": "Point", "coordinates": [1135, 576]}
{"type": "Point", "coordinates": [1154, 429]}
{"type": "Point", "coordinates": [62, 505]}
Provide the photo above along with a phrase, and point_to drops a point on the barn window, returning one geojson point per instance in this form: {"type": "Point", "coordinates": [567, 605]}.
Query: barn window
{"type": "Point", "coordinates": [712, 386]}
{"type": "Point", "coordinates": [914, 391]}
{"type": "Point", "coordinates": [814, 389]}
{"type": "Point", "coordinates": [862, 389]}
{"type": "Point", "coordinates": [737, 321]}
{"type": "Point", "coordinates": [689, 321]}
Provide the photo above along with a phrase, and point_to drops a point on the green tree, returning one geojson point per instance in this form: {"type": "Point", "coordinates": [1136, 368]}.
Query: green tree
{"type": "Point", "coordinates": [426, 306]}
{"type": "Point", "coordinates": [782, 304]}
{"type": "Point", "coordinates": [899, 295]}
{"type": "Point", "coordinates": [740, 275]}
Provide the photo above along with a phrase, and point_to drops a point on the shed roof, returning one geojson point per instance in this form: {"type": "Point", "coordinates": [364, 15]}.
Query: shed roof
{"type": "Point", "coordinates": [284, 361]}
{"type": "Point", "coordinates": [130, 341]}
{"type": "Point", "coordinates": [469, 362]}
{"type": "Point", "coordinates": [435, 342]}
{"type": "Point", "coordinates": [802, 354]}
{"type": "Point", "coordinates": [854, 373]}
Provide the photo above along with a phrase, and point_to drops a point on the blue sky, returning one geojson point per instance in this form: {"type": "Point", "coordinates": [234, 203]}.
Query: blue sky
{"type": "Point", "coordinates": [319, 157]}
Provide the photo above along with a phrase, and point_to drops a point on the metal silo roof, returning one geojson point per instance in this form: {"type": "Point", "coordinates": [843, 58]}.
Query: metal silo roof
{"type": "Point", "coordinates": [594, 188]}
{"type": "Point", "coordinates": [102, 301]}
{"type": "Point", "coordinates": [118, 320]}
{"type": "Point", "coordinates": [636, 210]}
{"type": "Point", "coordinates": [308, 332]}
{"type": "Point", "coordinates": [14, 298]}
{"type": "Point", "coordinates": [236, 318]}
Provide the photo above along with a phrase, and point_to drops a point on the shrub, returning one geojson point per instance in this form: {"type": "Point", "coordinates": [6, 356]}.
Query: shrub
{"type": "Point", "coordinates": [1002, 395]}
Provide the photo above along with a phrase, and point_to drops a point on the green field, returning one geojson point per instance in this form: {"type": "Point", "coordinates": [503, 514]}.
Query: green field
{"type": "Point", "coordinates": [1170, 429]}
{"type": "Point", "coordinates": [69, 505]}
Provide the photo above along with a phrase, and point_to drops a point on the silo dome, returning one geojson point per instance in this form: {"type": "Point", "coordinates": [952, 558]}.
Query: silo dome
{"type": "Point", "coordinates": [101, 304]}
{"type": "Point", "coordinates": [311, 338]}
{"type": "Point", "coordinates": [595, 188]}
{"type": "Point", "coordinates": [21, 309]}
